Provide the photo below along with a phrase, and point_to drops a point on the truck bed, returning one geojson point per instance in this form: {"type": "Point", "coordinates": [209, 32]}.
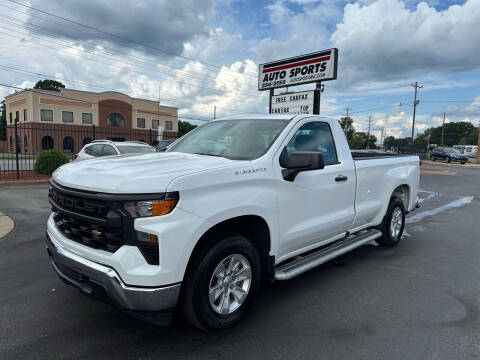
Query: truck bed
{"type": "Point", "coordinates": [372, 154]}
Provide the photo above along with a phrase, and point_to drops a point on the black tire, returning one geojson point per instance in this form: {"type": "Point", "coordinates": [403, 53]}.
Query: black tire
{"type": "Point", "coordinates": [195, 294]}
{"type": "Point", "coordinates": [387, 239]}
{"type": "Point", "coordinates": [449, 160]}
{"type": "Point", "coordinates": [462, 162]}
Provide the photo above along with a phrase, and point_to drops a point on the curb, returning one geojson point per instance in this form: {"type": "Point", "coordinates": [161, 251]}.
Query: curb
{"type": "Point", "coordinates": [436, 171]}
{"type": "Point", "coordinates": [6, 225]}
{"type": "Point", "coordinates": [23, 184]}
{"type": "Point", "coordinates": [467, 165]}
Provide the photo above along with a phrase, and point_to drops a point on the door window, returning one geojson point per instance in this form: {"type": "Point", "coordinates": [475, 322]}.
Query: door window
{"type": "Point", "coordinates": [94, 150]}
{"type": "Point", "coordinates": [314, 136]}
{"type": "Point", "coordinates": [109, 151]}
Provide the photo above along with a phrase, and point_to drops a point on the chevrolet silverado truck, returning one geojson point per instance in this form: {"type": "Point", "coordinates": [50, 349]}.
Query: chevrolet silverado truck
{"type": "Point", "coordinates": [235, 202]}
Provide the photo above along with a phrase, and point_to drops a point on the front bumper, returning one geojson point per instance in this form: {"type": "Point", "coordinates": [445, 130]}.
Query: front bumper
{"type": "Point", "coordinates": [154, 304]}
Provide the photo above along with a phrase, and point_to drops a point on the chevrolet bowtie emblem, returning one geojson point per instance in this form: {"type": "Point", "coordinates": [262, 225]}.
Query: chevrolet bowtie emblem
{"type": "Point", "coordinates": [96, 232]}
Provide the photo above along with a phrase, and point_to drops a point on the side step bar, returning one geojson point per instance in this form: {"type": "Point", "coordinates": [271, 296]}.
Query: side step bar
{"type": "Point", "coordinates": [340, 247]}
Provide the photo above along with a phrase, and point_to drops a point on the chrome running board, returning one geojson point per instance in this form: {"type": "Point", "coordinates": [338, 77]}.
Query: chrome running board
{"type": "Point", "coordinates": [302, 264]}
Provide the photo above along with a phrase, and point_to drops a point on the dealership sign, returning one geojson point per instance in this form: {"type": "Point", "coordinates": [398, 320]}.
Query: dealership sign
{"type": "Point", "coordinates": [319, 66]}
{"type": "Point", "coordinates": [294, 103]}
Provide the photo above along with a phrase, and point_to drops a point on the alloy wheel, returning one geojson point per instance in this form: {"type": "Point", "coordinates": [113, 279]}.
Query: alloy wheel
{"type": "Point", "coordinates": [229, 284]}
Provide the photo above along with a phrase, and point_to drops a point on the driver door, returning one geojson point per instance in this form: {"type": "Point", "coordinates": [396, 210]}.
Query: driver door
{"type": "Point", "coordinates": [318, 204]}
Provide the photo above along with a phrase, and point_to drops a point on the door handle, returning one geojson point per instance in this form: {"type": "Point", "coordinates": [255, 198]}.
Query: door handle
{"type": "Point", "coordinates": [341, 178]}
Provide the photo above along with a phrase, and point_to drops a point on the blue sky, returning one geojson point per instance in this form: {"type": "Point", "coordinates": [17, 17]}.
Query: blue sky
{"type": "Point", "coordinates": [384, 46]}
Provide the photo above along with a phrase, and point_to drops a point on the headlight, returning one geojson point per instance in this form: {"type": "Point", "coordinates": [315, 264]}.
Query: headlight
{"type": "Point", "coordinates": [158, 207]}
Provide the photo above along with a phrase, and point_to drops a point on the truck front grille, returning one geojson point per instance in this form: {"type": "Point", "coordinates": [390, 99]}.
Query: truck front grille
{"type": "Point", "coordinates": [97, 220]}
{"type": "Point", "coordinates": [89, 234]}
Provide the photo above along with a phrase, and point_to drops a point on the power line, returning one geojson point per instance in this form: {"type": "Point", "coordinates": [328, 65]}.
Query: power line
{"type": "Point", "coordinates": [57, 35]}
{"type": "Point", "coordinates": [121, 37]}
{"type": "Point", "coordinates": [136, 71]}
{"type": "Point", "coordinates": [200, 82]}
{"type": "Point", "coordinates": [40, 75]}
{"type": "Point", "coordinates": [96, 103]}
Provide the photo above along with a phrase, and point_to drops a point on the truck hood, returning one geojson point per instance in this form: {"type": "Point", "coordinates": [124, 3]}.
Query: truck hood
{"type": "Point", "coordinates": [133, 173]}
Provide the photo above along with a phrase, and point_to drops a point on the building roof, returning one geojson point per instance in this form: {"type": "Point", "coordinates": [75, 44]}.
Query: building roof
{"type": "Point", "coordinates": [269, 117]}
{"type": "Point", "coordinates": [56, 93]}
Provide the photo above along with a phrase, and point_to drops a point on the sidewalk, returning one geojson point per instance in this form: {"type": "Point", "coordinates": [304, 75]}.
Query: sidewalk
{"type": "Point", "coordinates": [24, 183]}
{"type": "Point", "coordinates": [6, 225]}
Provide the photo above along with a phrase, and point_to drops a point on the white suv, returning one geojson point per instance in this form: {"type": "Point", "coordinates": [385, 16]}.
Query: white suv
{"type": "Point", "coordinates": [99, 148]}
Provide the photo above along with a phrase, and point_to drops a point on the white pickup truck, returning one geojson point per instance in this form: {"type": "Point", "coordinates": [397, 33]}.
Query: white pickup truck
{"type": "Point", "coordinates": [233, 202]}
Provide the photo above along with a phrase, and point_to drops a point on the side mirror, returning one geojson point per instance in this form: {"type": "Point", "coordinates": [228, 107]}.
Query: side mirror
{"type": "Point", "coordinates": [299, 161]}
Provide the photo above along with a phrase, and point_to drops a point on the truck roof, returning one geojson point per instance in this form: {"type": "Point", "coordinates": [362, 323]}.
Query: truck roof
{"type": "Point", "coordinates": [269, 117]}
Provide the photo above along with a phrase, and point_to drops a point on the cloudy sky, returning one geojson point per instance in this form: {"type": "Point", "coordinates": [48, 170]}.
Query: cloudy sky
{"type": "Point", "coordinates": [197, 54]}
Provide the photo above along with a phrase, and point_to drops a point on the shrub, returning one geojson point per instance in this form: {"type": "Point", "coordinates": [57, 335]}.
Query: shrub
{"type": "Point", "coordinates": [48, 161]}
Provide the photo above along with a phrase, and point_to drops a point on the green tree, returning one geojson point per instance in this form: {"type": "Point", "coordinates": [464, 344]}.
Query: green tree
{"type": "Point", "coordinates": [3, 122]}
{"type": "Point", "coordinates": [359, 141]}
{"type": "Point", "coordinates": [184, 127]}
{"type": "Point", "coordinates": [470, 139]}
{"type": "Point", "coordinates": [52, 85]}
{"type": "Point", "coordinates": [347, 125]}
{"type": "Point", "coordinates": [453, 133]}
{"type": "Point", "coordinates": [390, 142]}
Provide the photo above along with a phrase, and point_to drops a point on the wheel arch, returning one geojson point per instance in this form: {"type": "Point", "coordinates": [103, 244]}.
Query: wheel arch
{"type": "Point", "coordinates": [403, 193]}
{"type": "Point", "coordinates": [254, 227]}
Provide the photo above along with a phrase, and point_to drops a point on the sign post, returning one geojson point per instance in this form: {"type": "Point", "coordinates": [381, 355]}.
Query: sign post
{"type": "Point", "coordinates": [305, 69]}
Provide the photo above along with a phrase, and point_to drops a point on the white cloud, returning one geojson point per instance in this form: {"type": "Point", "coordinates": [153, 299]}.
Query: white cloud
{"type": "Point", "coordinates": [385, 40]}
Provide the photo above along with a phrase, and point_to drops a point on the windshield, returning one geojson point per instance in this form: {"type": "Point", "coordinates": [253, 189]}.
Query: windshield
{"type": "Point", "coordinates": [232, 139]}
{"type": "Point", "coordinates": [132, 149]}
{"type": "Point", "coordinates": [452, 151]}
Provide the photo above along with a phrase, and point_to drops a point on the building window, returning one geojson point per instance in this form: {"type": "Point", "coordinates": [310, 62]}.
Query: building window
{"type": "Point", "coordinates": [155, 123]}
{"type": "Point", "coordinates": [141, 123]}
{"type": "Point", "coordinates": [115, 119]}
{"type": "Point", "coordinates": [24, 114]}
{"type": "Point", "coordinates": [67, 117]}
{"type": "Point", "coordinates": [87, 118]}
{"type": "Point", "coordinates": [10, 118]}
{"type": "Point", "coordinates": [168, 125]}
{"type": "Point", "coordinates": [47, 143]}
{"type": "Point", "coordinates": [46, 115]}
{"type": "Point", "coordinates": [25, 143]}
{"type": "Point", "coordinates": [68, 144]}
{"type": "Point", "coordinates": [16, 116]}
{"type": "Point", "coordinates": [86, 141]}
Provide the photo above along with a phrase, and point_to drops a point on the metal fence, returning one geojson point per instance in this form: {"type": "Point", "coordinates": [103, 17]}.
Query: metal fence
{"type": "Point", "coordinates": [25, 141]}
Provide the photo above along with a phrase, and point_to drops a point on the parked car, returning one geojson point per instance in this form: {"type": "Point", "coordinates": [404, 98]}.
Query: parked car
{"type": "Point", "coordinates": [471, 151]}
{"type": "Point", "coordinates": [448, 155]}
{"type": "Point", "coordinates": [231, 203]}
{"type": "Point", "coordinates": [163, 144]}
{"type": "Point", "coordinates": [98, 148]}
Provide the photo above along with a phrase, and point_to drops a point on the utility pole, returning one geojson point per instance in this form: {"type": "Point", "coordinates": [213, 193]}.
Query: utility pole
{"type": "Point", "coordinates": [478, 143]}
{"type": "Point", "coordinates": [381, 136]}
{"type": "Point", "coordinates": [443, 127]}
{"type": "Point", "coordinates": [368, 135]}
{"type": "Point", "coordinates": [214, 112]}
{"type": "Point", "coordinates": [345, 125]}
{"type": "Point", "coordinates": [415, 103]}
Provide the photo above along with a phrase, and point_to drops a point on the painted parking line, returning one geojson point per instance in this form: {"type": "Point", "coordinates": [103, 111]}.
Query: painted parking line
{"type": "Point", "coordinates": [426, 195]}
{"type": "Point", "coordinates": [454, 204]}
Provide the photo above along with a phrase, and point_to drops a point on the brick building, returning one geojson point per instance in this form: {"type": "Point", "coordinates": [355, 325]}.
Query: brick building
{"type": "Point", "coordinates": [69, 119]}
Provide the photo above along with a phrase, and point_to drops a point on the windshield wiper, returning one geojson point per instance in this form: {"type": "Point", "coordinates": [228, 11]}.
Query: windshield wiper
{"type": "Point", "coordinates": [197, 153]}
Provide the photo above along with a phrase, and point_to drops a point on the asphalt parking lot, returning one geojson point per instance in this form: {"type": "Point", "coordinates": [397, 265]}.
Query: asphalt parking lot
{"type": "Point", "coordinates": [419, 300]}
